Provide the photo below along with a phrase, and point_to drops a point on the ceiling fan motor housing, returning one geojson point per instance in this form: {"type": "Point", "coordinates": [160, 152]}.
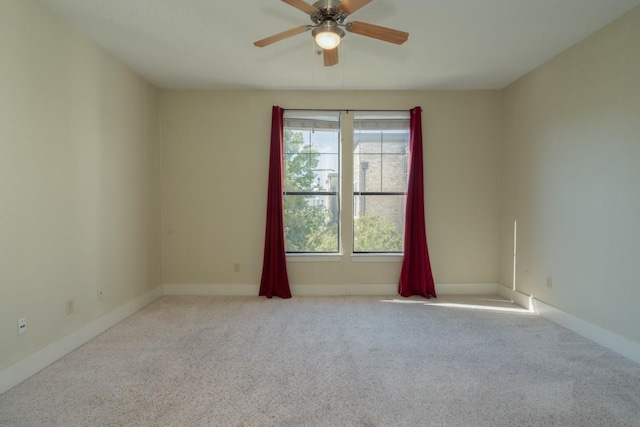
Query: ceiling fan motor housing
{"type": "Point", "coordinates": [328, 10]}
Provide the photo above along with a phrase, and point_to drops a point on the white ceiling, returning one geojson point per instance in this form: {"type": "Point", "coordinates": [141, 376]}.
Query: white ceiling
{"type": "Point", "coordinates": [453, 44]}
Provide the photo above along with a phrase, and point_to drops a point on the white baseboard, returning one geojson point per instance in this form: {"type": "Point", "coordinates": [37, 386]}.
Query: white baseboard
{"type": "Point", "coordinates": [325, 289]}
{"type": "Point", "coordinates": [623, 346]}
{"type": "Point", "coordinates": [344, 290]}
{"type": "Point", "coordinates": [35, 362]}
{"type": "Point", "coordinates": [519, 298]}
{"type": "Point", "coordinates": [296, 290]}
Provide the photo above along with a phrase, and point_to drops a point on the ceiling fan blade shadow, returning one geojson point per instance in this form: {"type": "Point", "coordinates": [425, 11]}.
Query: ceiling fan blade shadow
{"type": "Point", "coordinates": [330, 57]}
{"type": "Point", "coordinates": [302, 5]}
{"type": "Point", "coordinates": [281, 36]}
{"type": "Point", "coordinates": [377, 32]}
{"type": "Point", "coordinates": [350, 6]}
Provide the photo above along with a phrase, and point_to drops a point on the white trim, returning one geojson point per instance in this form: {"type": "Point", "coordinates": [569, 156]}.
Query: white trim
{"type": "Point", "coordinates": [356, 257]}
{"type": "Point", "coordinates": [296, 289]}
{"type": "Point", "coordinates": [518, 298]}
{"type": "Point", "coordinates": [324, 289]}
{"type": "Point", "coordinates": [389, 289]}
{"type": "Point", "coordinates": [623, 346]}
{"type": "Point", "coordinates": [35, 362]}
{"type": "Point", "coordinates": [344, 289]}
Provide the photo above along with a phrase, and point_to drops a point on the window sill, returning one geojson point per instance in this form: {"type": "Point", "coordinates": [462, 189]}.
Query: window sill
{"type": "Point", "coordinates": [363, 257]}
{"type": "Point", "coordinates": [376, 257]}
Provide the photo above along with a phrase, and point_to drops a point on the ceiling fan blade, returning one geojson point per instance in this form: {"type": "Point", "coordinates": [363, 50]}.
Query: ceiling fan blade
{"type": "Point", "coordinates": [330, 57]}
{"type": "Point", "coordinates": [302, 5]}
{"type": "Point", "coordinates": [381, 33]}
{"type": "Point", "coordinates": [350, 6]}
{"type": "Point", "coordinates": [281, 36]}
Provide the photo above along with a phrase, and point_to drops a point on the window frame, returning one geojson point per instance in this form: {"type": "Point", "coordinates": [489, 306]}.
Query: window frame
{"type": "Point", "coordinates": [307, 124]}
{"type": "Point", "coordinates": [398, 121]}
{"type": "Point", "coordinates": [346, 211]}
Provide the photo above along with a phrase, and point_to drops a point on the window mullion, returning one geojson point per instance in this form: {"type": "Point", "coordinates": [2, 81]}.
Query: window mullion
{"type": "Point", "coordinates": [346, 191]}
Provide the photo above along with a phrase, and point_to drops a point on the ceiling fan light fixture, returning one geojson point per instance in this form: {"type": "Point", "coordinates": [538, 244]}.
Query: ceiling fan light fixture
{"type": "Point", "coordinates": [327, 40]}
{"type": "Point", "coordinates": [327, 35]}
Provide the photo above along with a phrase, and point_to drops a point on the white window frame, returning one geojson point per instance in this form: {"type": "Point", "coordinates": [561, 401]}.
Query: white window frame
{"type": "Point", "coordinates": [346, 203]}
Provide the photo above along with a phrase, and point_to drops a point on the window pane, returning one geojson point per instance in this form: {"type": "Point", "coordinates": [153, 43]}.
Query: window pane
{"type": "Point", "coordinates": [311, 165]}
{"type": "Point", "coordinates": [380, 156]}
{"type": "Point", "coordinates": [311, 223]}
{"type": "Point", "coordinates": [379, 225]}
{"type": "Point", "coordinates": [367, 172]}
{"type": "Point", "coordinates": [325, 141]}
{"type": "Point", "coordinates": [326, 172]}
{"type": "Point", "coordinates": [395, 142]}
{"type": "Point", "coordinates": [366, 141]}
{"type": "Point", "coordinates": [394, 172]}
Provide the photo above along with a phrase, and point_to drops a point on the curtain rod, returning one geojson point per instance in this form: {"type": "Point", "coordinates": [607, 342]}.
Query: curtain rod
{"type": "Point", "coordinates": [345, 109]}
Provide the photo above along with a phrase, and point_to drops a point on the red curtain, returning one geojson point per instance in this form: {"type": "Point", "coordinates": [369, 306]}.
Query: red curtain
{"type": "Point", "coordinates": [416, 277]}
{"type": "Point", "coordinates": [274, 279]}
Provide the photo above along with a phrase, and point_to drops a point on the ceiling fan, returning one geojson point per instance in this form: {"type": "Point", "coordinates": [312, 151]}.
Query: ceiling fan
{"type": "Point", "coordinates": [328, 18]}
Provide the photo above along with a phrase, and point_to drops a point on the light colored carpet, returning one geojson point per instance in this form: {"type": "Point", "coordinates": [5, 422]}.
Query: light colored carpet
{"type": "Point", "coordinates": [331, 361]}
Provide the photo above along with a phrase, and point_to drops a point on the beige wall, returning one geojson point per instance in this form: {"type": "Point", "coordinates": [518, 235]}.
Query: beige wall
{"type": "Point", "coordinates": [571, 178]}
{"type": "Point", "coordinates": [215, 149]}
{"type": "Point", "coordinates": [79, 187]}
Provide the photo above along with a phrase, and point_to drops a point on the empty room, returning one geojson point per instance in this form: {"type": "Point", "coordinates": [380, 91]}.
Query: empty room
{"type": "Point", "coordinates": [287, 213]}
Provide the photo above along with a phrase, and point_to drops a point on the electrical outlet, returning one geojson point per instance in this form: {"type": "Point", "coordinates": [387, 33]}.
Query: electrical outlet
{"type": "Point", "coordinates": [549, 282]}
{"type": "Point", "coordinates": [236, 267]}
{"type": "Point", "coordinates": [70, 306]}
{"type": "Point", "coordinates": [22, 326]}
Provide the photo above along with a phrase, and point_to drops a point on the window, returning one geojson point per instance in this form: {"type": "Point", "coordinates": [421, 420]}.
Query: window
{"type": "Point", "coordinates": [312, 181]}
{"type": "Point", "coordinates": [380, 171]}
{"type": "Point", "coordinates": [376, 169]}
